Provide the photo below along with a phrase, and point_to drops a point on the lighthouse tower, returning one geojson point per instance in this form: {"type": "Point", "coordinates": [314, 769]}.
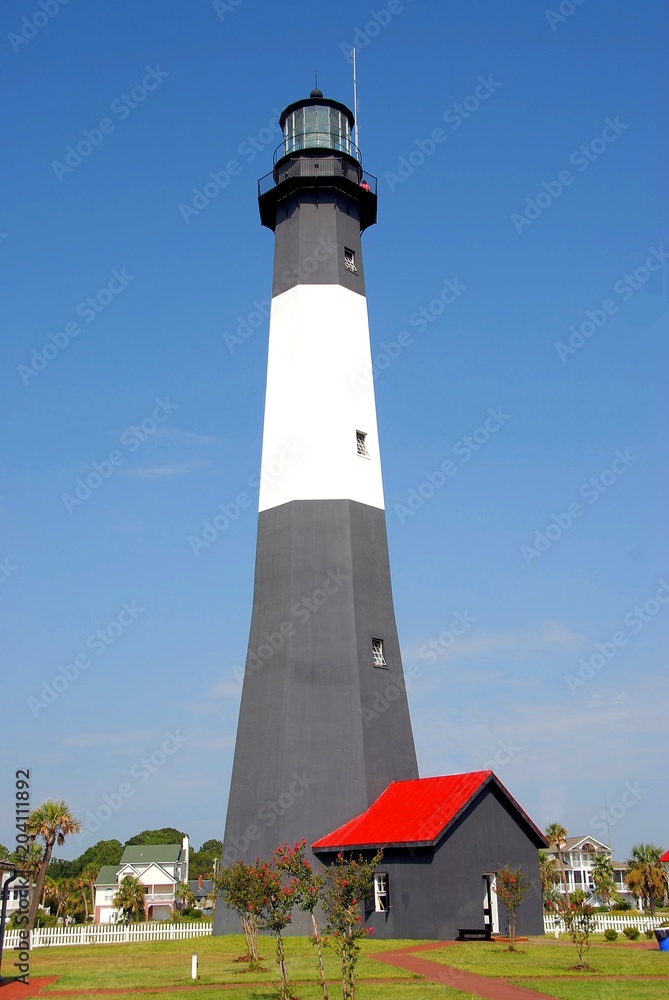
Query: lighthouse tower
{"type": "Point", "coordinates": [324, 722]}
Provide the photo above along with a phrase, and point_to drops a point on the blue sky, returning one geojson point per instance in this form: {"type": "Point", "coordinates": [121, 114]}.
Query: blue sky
{"type": "Point", "coordinates": [540, 197]}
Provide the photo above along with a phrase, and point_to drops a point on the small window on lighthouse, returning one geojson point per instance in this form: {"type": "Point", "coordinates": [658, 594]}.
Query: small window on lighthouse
{"type": "Point", "coordinates": [377, 653]}
{"type": "Point", "coordinates": [361, 443]}
{"type": "Point", "coordinates": [349, 260]}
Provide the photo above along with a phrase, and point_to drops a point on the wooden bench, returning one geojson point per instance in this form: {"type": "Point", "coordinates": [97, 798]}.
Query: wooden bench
{"type": "Point", "coordinates": [475, 933]}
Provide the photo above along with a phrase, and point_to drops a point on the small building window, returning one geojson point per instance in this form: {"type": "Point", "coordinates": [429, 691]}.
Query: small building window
{"type": "Point", "coordinates": [361, 443]}
{"type": "Point", "coordinates": [381, 899]}
{"type": "Point", "coordinates": [349, 260]}
{"type": "Point", "coordinates": [377, 653]}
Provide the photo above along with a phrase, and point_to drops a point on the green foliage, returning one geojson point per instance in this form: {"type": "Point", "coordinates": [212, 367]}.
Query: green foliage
{"type": "Point", "coordinates": [649, 932]}
{"type": "Point", "coordinates": [631, 933]}
{"type": "Point", "coordinates": [603, 877]}
{"type": "Point", "coordinates": [610, 934]}
{"type": "Point", "coordinates": [512, 886]}
{"type": "Point", "coordinates": [204, 861]}
{"type": "Point", "coordinates": [4, 853]}
{"type": "Point", "coordinates": [166, 835]}
{"type": "Point", "coordinates": [348, 883]}
{"type": "Point", "coordinates": [129, 898]}
{"type": "Point", "coordinates": [309, 884]}
{"type": "Point", "coordinates": [550, 877]}
{"type": "Point", "coordinates": [240, 886]}
{"type": "Point", "coordinates": [646, 875]}
{"type": "Point", "coordinates": [579, 919]}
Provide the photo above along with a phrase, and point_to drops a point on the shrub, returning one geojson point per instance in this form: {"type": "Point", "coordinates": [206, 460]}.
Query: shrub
{"type": "Point", "coordinates": [195, 914]}
{"type": "Point", "coordinates": [649, 932]}
{"type": "Point", "coordinates": [610, 934]}
{"type": "Point", "coordinates": [631, 933]}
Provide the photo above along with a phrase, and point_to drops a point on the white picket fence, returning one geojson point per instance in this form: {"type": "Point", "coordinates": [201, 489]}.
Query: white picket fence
{"type": "Point", "coordinates": [110, 933]}
{"type": "Point", "coordinates": [555, 925]}
{"type": "Point", "coordinates": [43, 937]}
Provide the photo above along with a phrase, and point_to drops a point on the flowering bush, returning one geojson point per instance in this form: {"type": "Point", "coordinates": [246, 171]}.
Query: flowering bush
{"type": "Point", "coordinates": [579, 919]}
{"type": "Point", "coordinates": [348, 883]}
{"type": "Point", "coordinates": [308, 887]}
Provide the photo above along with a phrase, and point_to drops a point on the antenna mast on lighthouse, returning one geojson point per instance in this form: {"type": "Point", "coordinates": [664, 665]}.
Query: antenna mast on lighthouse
{"type": "Point", "coordinates": [355, 101]}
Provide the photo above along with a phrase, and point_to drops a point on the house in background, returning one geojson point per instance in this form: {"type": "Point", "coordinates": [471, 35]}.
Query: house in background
{"type": "Point", "coordinates": [159, 867]}
{"type": "Point", "coordinates": [577, 857]}
{"type": "Point", "coordinates": [202, 889]}
{"type": "Point", "coordinates": [443, 840]}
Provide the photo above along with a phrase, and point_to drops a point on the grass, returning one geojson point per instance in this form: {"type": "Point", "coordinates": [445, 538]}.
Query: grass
{"type": "Point", "coordinates": [536, 959]}
{"type": "Point", "coordinates": [540, 965]}
{"type": "Point", "coordinates": [168, 963]}
{"type": "Point", "coordinates": [570, 990]}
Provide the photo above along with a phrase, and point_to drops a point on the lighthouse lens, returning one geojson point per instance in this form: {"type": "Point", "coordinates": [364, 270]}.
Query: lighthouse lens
{"type": "Point", "coordinates": [316, 127]}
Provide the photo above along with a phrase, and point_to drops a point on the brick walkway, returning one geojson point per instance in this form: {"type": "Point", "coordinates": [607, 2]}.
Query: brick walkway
{"type": "Point", "coordinates": [480, 986]}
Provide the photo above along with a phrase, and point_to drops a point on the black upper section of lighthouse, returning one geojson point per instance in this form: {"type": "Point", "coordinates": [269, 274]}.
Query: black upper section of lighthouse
{"type": "Point", "coordinates": [317, 155]}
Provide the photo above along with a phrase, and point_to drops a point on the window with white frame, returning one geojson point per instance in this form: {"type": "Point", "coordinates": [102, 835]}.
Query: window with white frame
{"type": "Point", "coordinates": [361, 443]}
{"type": "Point", "coordinates": [381, 898]}
{"type": "Point", "coordinates": [377, 653]}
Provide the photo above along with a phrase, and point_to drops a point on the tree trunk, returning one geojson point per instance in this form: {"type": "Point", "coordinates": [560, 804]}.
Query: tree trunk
{"type": "Point", "coordinates": [281, 958]}
{"type": "Point", "coordinates": [320, 956]}
{"type": "Point", "coordinates": [39, 884]}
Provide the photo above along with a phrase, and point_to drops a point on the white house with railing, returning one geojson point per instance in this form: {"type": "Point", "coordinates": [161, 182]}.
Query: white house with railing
{"type": "Point", "coordinates": [159, 867]}
{"type": "Point", "coordinates": [577, 855]}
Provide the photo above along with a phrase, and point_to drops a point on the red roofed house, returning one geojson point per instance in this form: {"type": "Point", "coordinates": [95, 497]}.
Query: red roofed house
{"type": "Point", "coordinates": [443, 839]}
{"type": "Point", "coordinates": [665, 861]}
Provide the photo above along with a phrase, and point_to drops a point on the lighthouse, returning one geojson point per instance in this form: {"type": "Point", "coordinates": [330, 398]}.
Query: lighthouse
{"type": "Point", "coordinates": [324, 722]}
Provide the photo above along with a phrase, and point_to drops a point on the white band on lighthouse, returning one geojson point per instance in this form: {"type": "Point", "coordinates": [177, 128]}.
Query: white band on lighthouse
{"type": "Point", "coordinates": [319, 400]}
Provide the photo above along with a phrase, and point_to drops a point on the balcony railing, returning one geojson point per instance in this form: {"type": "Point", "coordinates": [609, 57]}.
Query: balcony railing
{"type": "Point", "coordinates": [298, 142]}
{"type": "Point", "coordinates": [326, 166]}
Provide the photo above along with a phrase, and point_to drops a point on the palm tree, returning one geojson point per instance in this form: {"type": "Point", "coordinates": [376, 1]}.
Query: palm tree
{"type": "Point", "coordinates": [49, 892]}
{"type": "Point", "coordinates": [87, 882]}
{"type": "Point", "coordinates": [129, 898]}
{"type": "Point", "coordinates": [646, 876]}
{"type": "Point", "coordinates": [184, 894]}
{"type": "Point", "coordinates": [604, 878]}
{"type": "Point", "coordinates": [29, 860]}
{"type": "Point", "coordinates": [549, 875]}
{"type": "Point", "coordinates": [52, 822]}
{"type": "Point", "coordinates": [556, 835]}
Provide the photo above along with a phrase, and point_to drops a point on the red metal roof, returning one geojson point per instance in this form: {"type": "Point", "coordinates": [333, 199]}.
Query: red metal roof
{"type": "Point", "coordinates": [413, 812]}
{"type": "Point", "coordinates": [665, 856]}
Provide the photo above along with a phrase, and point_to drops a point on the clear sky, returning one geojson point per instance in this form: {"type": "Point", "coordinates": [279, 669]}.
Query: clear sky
{"type": "Point", "coordinates": [522, 174]}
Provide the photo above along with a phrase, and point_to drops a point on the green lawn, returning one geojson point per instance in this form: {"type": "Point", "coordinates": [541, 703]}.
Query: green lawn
{"type": "Point", "coordinates": [415, 990]}
{"type": "Point", "coordinates": [570, 990]}
{"type": "Point", "coordinates": [162, 963]}
{"type": "Point", "coordinates": [538, 959]}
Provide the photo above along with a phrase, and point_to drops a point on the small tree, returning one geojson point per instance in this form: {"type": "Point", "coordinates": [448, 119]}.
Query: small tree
{"type": "Point", "coordinates": [347, 884]}
{"type": "Point", "coordinates": [309, 885]}
{"type": "Point", "coordinates": [184, 894]}
{"type": "Point", "coordinates": [129, 898]}
{"type": "Point", "coordinates": [580, 921]}
{"type": "Point", "coordinates": [556, 835]}
{"type": "Point", "coordinates": [277, 902]}
{"type": "Point", "coordinates": [241, 887]}
{"type": "Point", "coordinates": [512, 886]}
